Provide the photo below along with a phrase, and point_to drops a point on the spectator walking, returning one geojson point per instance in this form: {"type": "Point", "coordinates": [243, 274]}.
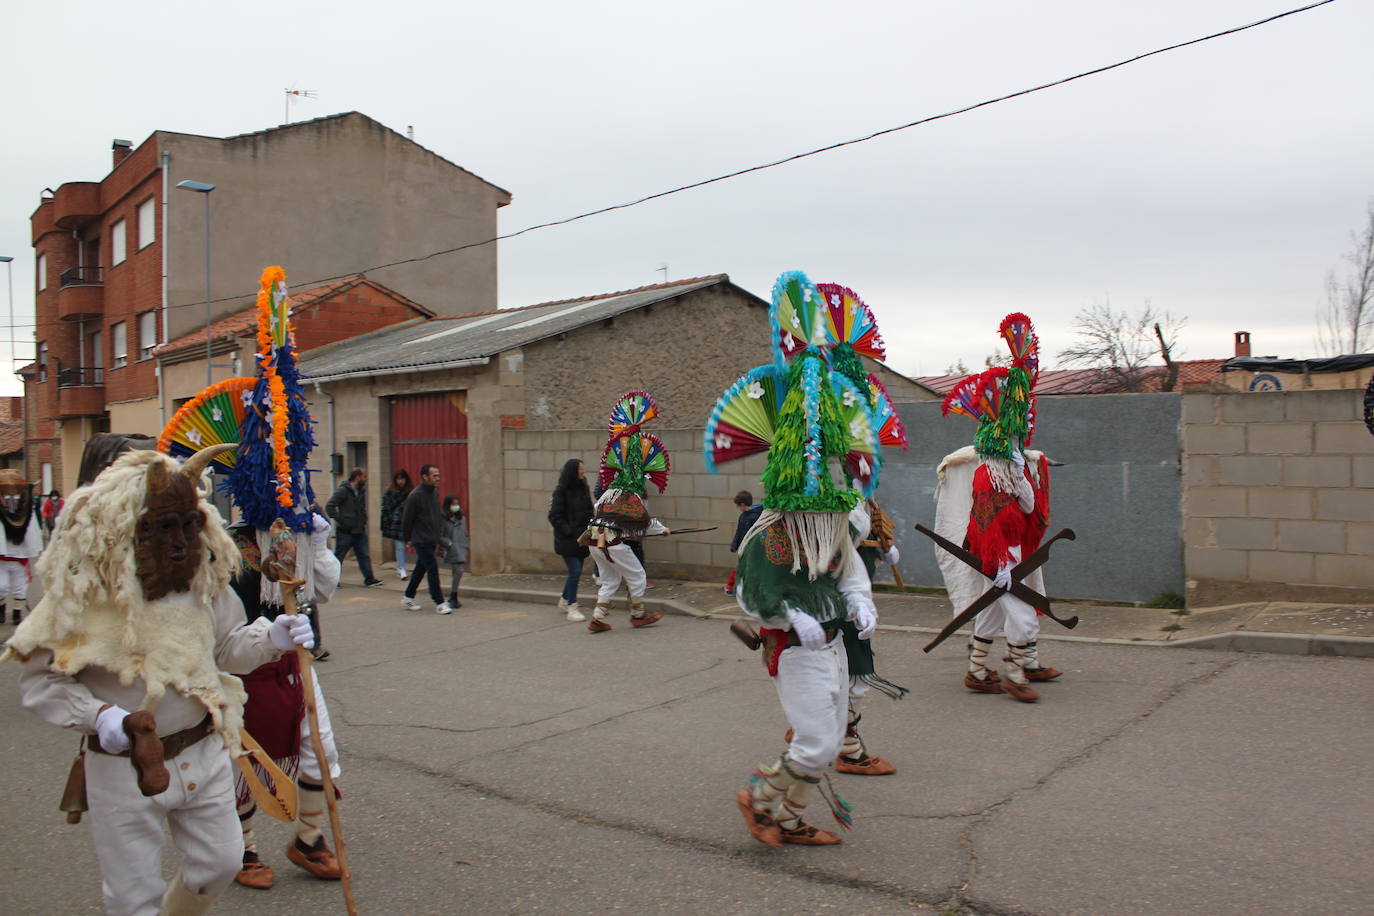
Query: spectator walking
{"type": "Point", "coordinates": [422, 524]}
{"type": "Point", "coordinates": [749, 512]}
{"type": "Point", "coordinates": [52, 507]}
{"type": "Point", "coordinates": [454, 543]}
{"type": "Point", "coordinates": [348, 508]}
{"type": "Point", "coordinates": [570, 511]}
{"type": "Point", "coordinates": [393, 502]}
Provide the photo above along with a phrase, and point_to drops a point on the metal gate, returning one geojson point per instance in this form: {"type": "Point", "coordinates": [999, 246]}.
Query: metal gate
{"type": "Point", "coordinates": [432, 429]}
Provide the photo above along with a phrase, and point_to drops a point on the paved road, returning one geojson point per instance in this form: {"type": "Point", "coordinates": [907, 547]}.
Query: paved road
{"type": "Point", "coordinates": [503, 761]}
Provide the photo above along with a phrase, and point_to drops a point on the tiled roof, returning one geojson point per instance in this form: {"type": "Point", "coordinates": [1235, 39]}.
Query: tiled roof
{"type": "Point", "coordinates": [11, 438]}
{"type": "Point", "coordinates": [1100, 381]}
{"type": "Point", "coordinates": [245, 323]}
{"type": "Point", "coordinates": [445, 341]}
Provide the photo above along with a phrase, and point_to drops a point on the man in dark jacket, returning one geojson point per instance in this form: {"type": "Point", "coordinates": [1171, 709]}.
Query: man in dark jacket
{"type": "Point", "coordinates": [422, 523]}
{"type": "Point", "coordinates": [348, 508]}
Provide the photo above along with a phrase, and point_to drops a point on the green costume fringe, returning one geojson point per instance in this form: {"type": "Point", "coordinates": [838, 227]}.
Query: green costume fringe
{"type": "Point", "coordinates": [786, 476]}
{"type": "Point", "coordinates": [769, 588]}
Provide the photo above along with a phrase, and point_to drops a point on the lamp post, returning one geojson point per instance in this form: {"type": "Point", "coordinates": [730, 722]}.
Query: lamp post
{"type": "Point", "coordinates": [205, 188]}
{"type": "Point", "coordinates": [9, 266]}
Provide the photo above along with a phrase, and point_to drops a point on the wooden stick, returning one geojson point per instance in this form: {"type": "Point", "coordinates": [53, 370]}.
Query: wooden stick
{"type": "Point", "coordinates": [306, 662]}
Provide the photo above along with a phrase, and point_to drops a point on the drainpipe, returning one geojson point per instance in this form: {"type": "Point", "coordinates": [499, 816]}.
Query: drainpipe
{"type": "Point", "coordinates": [333, 478]}
{"type": "Point", "coordinates": [166, 243]}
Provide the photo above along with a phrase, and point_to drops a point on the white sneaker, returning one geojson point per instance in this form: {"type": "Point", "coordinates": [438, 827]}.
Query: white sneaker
{"type": "Point", "coordinates": [410, 604]}
{"type": "Point", "coordinates": [575, 613]}
{"type": "Point", "coordinates": [562, 603]}
{"type": "Point", "coordinates": [402, 574]}
{"type": "Point", "coordinates": [443, 609]}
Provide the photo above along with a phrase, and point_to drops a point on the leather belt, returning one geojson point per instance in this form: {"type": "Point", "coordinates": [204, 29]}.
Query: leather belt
{"type": "Point", "coordinates": [172, 745]}
{"type": "Point", "coordinates": [794, 640]}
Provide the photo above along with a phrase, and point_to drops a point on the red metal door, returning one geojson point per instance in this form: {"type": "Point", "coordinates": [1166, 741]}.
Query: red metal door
{"type": "Point", "coordinates": [432, 429]}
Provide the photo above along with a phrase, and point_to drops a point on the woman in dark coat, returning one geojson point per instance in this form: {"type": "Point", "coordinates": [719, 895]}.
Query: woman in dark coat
{"type": "Point", "coordinates": [570, 511]}
{"type": "Point", "coordinates": [393, 501]}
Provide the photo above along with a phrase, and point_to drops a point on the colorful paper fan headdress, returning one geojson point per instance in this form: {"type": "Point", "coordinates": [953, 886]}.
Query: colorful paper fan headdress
{"type": "Point", "coordinates": [1001, 400]}
{"type": "Point", "coordinates": [632, 456]}
{"type": "Point", "coordinates": [799, 412]}
{"type": "Point", "coordinates": [267, 415]}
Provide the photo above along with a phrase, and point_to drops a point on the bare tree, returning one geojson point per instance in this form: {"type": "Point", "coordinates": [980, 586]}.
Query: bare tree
{"type": "Point", "coordinates": [1345, 323]}
{"type": "Point", "coordinates": [1122, 345]}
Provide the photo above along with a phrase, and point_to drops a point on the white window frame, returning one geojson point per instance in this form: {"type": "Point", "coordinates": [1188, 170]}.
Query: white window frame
{"type": "Point", "coordinates": [147, 223]}
{"type": "Point", "coordinates": [41, 269]}
{"type": "Point", "coordinates": [147, 334]}
{"type": "Point", "coordinates": [42, 360]}
{"type": "Point", "coordinates": [119, 345]}
{"type": "Point", "coordinates": [119, 242]}
{"type": "Point", "coordinates": [97, 349]}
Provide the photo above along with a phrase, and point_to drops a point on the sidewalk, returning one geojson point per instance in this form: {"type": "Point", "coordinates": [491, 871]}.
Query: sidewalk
{"type": "Point", "coordinates": [1280, 627]}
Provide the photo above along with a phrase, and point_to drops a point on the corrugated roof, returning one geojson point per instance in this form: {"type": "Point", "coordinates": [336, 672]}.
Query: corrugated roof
{"type": "Point", "coordinates": [440, 342]}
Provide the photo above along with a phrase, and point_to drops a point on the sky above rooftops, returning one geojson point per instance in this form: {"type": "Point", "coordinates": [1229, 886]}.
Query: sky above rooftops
{"type": "Point", "coordinates": [1219, 182]}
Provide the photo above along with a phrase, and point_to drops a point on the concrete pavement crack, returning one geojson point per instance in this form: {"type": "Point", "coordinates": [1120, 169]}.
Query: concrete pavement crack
{"type": "Point", "coordinates": [959, 897]}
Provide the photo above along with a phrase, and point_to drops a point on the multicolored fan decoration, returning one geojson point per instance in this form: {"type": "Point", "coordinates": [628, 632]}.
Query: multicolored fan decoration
{"type": "Point", "coordinates": [861, 458]}
{"type": "Point", "coordinates": [212, 417]}
{"type": "Point", "coordinates": [745, 417]}
{"type": "Point", "coordinates": [846, 319]}
{"type": "Point", "coordinates": [632, 456]}
{"type": "Point", "coordinates": [794, 314]}
{"type": "Point", "coordinates": [1017, 414]}
{"type": "Point", "coordinates": [891, 429]}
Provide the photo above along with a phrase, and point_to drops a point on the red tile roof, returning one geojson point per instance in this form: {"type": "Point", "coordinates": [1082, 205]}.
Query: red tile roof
{"type": "Point", "coordinates": [1191, 373]}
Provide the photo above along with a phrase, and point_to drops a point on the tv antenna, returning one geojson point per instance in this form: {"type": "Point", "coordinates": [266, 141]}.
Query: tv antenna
{"type": "Point", "coordinates": [293, 94]}
{"type": "Point", "coordinates": [664, 268]}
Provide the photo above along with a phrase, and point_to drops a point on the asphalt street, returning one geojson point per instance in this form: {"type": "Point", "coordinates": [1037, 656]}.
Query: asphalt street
{"type": "Point", "coordinates": [505, 761]}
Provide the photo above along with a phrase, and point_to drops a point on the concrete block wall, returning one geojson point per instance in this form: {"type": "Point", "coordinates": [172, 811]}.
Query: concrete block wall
{"type": "Point", "coordinates": [694, 498]}
{"type": "Point", "coordinates": [1278, 497]}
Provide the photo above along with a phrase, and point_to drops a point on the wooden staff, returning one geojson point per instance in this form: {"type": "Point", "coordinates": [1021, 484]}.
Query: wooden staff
{"type": "Point", "coordinates": [306, 662]}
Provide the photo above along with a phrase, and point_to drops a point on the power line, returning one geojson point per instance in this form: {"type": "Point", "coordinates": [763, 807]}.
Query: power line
{"type": "Point", "coordinates": [793, 158]}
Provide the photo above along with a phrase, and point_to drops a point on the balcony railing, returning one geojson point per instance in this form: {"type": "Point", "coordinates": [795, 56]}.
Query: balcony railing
{"type": "Point", "coordinates": [80, 378]}
{"type": "Point", "coordinates": [89, 275]}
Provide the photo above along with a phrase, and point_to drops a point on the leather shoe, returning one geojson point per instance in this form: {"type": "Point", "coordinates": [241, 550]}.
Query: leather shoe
{"type": "Point", "coordinates": [864, 766]}
{"type": "Point", "coordinates": [254, 873]}
{"type": "Point", "coordinates": [647, 619]}
{"type": "Point", "coordinates": [807, 835]}
{"type": "Point", "coordinates": [762, 827]}
{"type": "Point", "coordinates": [597, 625]}
{"type": "Point", "coordinates": [1042, 674]}
{"type": "Point", "coordinates": [992, 685]}
{"type": "Point", "coordinates": [1023, 692]}
{"type": "Point", "coordinates": [317, 859]}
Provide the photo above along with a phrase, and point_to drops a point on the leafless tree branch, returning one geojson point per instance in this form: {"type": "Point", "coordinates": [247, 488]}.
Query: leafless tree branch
{"type": "Point", "coordinates": [1345, 322]}
{"type": "Point", "coordinates": [1121, 344]}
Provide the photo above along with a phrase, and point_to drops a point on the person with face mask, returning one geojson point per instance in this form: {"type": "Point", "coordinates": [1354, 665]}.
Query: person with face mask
{"type": "Point", "coordinates": [454, 543]}
{"type": "Point", "coordinates": [22, 544]}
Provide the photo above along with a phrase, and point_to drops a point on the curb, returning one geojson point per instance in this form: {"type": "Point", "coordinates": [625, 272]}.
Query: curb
{"type": "Point", "coordinates": [1232, 641]}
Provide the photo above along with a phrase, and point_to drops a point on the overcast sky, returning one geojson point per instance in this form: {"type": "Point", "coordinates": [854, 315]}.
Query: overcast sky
{"type": "Point", "coordinates": [1219, 182]}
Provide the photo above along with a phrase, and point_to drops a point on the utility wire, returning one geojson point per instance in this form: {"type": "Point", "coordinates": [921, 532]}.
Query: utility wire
{"type": "Point", "coordinates": [793, 158]}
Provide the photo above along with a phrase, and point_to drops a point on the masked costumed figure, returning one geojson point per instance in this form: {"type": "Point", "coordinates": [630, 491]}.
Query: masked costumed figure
{"type": "Point", "coordinates": [994, 497]}
{"type": "Point", "coordinates": [137, 616]}
{"type": "Point", "coordinates": [23, 543]}
{"type": "Point", "coordinates": [631, 458]}
{"type": "Point", "coordinates": [268, 415]}
{"type": "Point", "coordinates": [799, 574]}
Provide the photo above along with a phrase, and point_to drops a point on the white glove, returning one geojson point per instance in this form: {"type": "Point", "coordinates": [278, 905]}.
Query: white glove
{"type": "Point", "coordinates": [109, 728]}
{"type": "Point", "coordinates": [1018, 458]}
{"type": "Point", "coordinates": [1003, 577]}
{"type": "Point", "coordinates": [291, 630]}
{"type": "Point", "coordinates": [892, 556]}
{"type": "Point", "coordinates": [866, 618]}
{"type": "Point", "coordinates": [807, 628]}
{"type": "Point", "coordinates": [319, 530]}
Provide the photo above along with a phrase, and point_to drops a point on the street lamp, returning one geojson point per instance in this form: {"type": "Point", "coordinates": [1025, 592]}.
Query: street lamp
{"type": "Point", "coordinates": [205, 188]}
{"type": "Point", "coordinates": [9, 265]}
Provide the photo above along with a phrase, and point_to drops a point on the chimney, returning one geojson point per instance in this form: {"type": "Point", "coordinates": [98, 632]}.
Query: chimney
{"type": "Point", "coordinates": [123, 149]}
{"type": "Point", "coordinates": [1242, 343]}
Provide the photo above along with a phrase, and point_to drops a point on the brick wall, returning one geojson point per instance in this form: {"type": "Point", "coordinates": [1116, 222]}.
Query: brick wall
{"type": "Point", "coordinates": [1278, 497]}
{"type": "Point", "coordinates": [694, 498]}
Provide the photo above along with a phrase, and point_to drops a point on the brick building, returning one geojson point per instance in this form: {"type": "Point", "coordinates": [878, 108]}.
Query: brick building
{"type": "Point", "coordinates": [120, 262]}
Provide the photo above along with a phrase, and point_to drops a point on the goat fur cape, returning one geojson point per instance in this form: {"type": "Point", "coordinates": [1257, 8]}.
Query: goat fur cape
{"type": "Point", "coordinates": [93, 612]}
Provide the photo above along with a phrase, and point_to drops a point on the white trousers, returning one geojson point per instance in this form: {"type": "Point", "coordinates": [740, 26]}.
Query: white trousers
{"type": "Point", "coordinates": [14, 580]}
{"type": "Point", "coordinates": [126, 827]}
{"type": "Point", "coordinates": [310, 764]}
{"type": "Point", "coordinates": [616, 563]}
{"type": "Point", "coordinates": [813, 687]}
{"type": "Point", "coordinates": [1009, 615]}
